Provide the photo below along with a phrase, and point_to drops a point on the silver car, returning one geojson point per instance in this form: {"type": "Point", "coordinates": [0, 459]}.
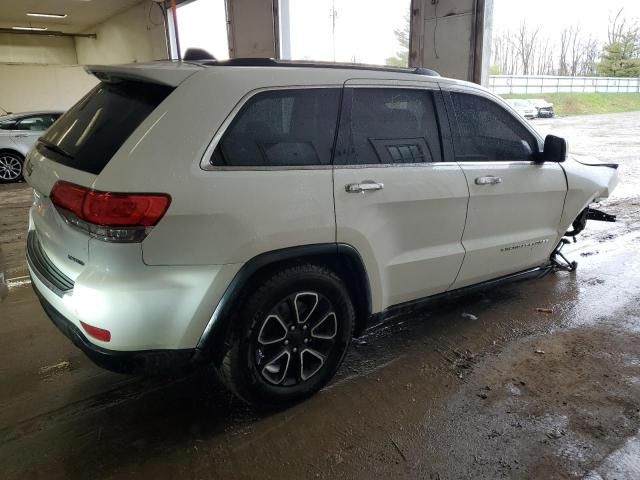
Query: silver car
{"type": "Point", "coordinates": [523, 107]}
{"type": "Point", "coordinates": [18, 133]}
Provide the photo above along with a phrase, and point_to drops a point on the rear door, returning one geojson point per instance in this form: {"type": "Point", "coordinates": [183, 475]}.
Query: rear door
{"type": "Point", "coordinates": [396, 201]}
{"type": "Point", "coordinates": [515, 204]}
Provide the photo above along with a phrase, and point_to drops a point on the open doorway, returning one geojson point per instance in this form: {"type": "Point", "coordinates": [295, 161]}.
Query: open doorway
{"type": "Point", "coordinates": [203, 24]}
{"type": "Point", "coordinates": [357, 31]}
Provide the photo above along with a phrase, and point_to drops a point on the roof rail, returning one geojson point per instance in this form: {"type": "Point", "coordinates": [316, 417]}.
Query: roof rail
{"type": "Point", "coordinates": [271, 62]}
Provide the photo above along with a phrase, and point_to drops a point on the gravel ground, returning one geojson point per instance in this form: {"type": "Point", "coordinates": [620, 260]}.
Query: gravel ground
{"type": "Point", "coordinates": [515, 393]}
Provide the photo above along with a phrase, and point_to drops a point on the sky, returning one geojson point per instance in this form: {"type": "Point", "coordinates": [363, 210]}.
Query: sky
{"type": "Point", "coordinates": [364, 28]}
{"type": "Point", "coordinates": [369, 40]}
{"type": "Point", "coordinates": [553, 15]}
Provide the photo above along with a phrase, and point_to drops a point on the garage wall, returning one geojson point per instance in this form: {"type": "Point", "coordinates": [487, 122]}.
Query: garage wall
{"type": "Point", "coordinates": [40, 72]}
{"type": "Point", "coordinates": [135, 35]}
{"type": "Point", "coordinates": [37, 49]}
{"type": "Point", "coordinates": [452, 37]}
{"type": "Point", "coordinates": [41, 87]}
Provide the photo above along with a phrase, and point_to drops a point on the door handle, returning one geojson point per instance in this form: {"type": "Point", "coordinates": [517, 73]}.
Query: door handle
{"type": "Point", "coordinates": [21, 135]}
{"type": "Point", "coordinates": [490, 180]}
{"type": "Point", "coordinates": [366, 186]}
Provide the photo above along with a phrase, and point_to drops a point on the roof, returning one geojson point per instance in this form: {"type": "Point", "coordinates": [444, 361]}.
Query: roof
{"type": "Point", "coordinates": [264, 72]}
{"type": "Point", "coordinates": [28, 114]}
{"type": "Point", "coordinates": [270, 62]}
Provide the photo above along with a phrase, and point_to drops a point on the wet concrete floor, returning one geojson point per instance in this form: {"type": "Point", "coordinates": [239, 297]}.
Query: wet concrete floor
{"type": "Point", "coordinates": [516, 393]}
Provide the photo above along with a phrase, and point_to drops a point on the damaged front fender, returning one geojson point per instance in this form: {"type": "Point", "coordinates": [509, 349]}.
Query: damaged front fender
{"type": "Point", "coordinates": [588, 181]}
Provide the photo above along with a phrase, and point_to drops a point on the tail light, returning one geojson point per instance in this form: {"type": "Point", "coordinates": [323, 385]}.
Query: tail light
{"type": "Point", "coordinates": [112, 217]}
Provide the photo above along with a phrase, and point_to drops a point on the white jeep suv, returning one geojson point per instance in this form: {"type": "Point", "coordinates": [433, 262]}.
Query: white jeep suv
{"type": "Point", "coordinates": [258, 214]}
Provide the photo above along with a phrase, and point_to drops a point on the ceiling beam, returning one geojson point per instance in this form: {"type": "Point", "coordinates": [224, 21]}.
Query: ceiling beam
{"type": "Point", "coordinates": [47, 33]}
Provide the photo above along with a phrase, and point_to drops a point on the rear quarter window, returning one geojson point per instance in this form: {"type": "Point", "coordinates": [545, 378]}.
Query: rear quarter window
{"type": "Point", "coordinates": [291, 127]}
{"type": "Point", "coordinates": [90, 133]}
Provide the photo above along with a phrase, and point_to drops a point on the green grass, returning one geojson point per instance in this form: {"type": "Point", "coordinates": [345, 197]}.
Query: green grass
{"type": "Point", "coordinates": [586, 103]}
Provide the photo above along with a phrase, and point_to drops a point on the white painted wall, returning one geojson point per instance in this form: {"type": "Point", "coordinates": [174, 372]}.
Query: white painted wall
{"type": "Point", "coordinates": [37, 49]}
{"type": "Point", "coordinates": [135, 35]}
{"type": "Point", "coordinates": [39, 72]}
{"type": "Point", "coordinates": [25, 87]}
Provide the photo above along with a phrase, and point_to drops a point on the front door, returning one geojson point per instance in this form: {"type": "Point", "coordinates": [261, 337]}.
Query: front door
{"type": "Point", "coordinates": [396, 201]}
{"type": "Point", "coordinates": [515, 204]}
{"type": "Point", "coordinates": [27, 130]}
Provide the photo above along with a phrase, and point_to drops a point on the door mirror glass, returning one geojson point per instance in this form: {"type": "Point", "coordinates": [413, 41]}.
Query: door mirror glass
{"type": "Point", "coordinates": [555, 149]}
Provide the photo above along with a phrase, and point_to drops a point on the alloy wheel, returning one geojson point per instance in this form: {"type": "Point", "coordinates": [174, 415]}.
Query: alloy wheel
{"type": "Point", "coordinates": [296, 339]}
{"type": "Point", "coordinates": [10, 167]}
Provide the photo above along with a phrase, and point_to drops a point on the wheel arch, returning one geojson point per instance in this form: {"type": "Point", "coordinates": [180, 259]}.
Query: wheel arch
{"type": "Point", "coordinates": [12, 150]}
{"type": "Point", "coordinates": [343, 259]}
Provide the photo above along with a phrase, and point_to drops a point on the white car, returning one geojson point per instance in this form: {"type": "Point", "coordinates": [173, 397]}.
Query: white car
{"type": "Point", "coordinates": [523, 107]}
{"type": "Point", "coordinates": [18, 133]}
{"type": "Point", "coordinates": [258, 215]}
{"type": "Point", "coordinates": [544, 109]}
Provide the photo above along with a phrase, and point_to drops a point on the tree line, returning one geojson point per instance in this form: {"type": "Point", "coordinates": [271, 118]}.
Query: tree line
{"type": "Point", "coordinates": [527, 51]}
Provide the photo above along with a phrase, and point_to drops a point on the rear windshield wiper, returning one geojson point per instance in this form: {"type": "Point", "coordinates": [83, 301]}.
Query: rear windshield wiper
{"type": "Point", "coordinates": [55, 148]}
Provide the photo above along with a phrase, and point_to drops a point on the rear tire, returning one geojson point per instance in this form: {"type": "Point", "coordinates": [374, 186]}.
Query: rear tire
{"type": "Point", "coordinates": [290, 338]}
{"type": "Point", "coordinates": [11, 164]}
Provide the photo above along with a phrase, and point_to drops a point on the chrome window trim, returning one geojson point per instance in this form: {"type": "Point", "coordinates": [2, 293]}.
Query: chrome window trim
{"type": "Point", "coordinates": [396, 165]}
{"type": "Point", "coordinates": [266, 168]}
{"type": "Point", "coordinates": [499, 162]}
{"type": "Point", "coordinates": [205, 163]}
{"type": "Point", "coordinates": [397, 84]}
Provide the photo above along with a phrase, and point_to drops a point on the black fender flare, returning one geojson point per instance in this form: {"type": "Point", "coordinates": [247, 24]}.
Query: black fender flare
{"type": "Point", "coordinates": [339, 253]}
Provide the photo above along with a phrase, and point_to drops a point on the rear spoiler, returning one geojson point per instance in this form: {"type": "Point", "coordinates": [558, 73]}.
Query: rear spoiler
{"type": "Point", "coordinates": [170, 74]}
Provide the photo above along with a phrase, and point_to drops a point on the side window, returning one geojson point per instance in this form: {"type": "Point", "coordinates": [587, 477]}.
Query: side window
{"type": "Point", "coordinates": [388, 126]}
{"type": "Point", "coordinates": [282, 128]}
{"type": "Point", "coordinates": [7, 124]}
{"type": "Point", "coordinates": [37, 124]}
{"type": "Point", "coordinates": [49, 119]}
{"type": "Point", "coordinates": [486, 131]}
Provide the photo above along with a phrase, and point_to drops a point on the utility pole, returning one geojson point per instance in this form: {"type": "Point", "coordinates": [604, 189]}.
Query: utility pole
{"type": "Point", "coordinates": [285, 30]}
{"type": "Point", "coordinates": [333, 15]}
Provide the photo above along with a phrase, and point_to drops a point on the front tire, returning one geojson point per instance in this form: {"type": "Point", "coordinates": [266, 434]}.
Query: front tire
{"type": "Point", "coordinates": [291, 337]}
{"type": "Point", "coordinates": [10, 167]}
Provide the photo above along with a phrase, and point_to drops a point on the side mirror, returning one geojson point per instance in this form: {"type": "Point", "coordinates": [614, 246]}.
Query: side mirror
{"type": "Point", "coordinates": [555, 149]}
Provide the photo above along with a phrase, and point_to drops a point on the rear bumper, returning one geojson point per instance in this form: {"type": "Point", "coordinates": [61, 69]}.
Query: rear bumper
{"type": "Point", "coordinates": [146, 361]}
{"type": "Point", "coordinates": [146, 308]}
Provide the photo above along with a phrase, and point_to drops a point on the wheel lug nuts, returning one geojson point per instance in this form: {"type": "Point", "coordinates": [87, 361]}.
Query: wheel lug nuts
{"type": "Point", "coordinates": [304, 327]}
{"type": "Point", "coordinates": [295, 349]}
{"type": "Point", "coordinates": [306, 340]}
{"type": "Point", "coordinates": [286, 342]}
{"type": "Point", "coordinates": [293, 327]}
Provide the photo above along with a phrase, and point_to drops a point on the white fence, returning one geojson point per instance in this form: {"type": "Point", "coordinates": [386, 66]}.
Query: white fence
{"type": "Point", "coordinates": [503, 84]}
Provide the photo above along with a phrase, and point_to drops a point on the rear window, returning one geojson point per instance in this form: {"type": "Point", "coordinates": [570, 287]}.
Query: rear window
{"type": "Point", "coordinates": [90, 133]}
